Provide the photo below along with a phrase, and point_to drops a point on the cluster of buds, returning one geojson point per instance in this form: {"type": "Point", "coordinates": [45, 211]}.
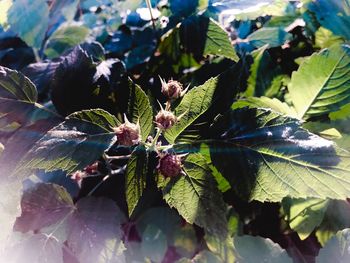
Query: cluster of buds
{"type": "Point", "coordinates": [172, 89]}
{"type": "Point", "coordinates": [128, 134]}
{"type": "Point", "coordinates": [169, 165]}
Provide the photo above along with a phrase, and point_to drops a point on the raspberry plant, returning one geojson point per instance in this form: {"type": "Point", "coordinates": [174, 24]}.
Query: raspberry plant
{"type": "Point", "coordinates": [175, 132]}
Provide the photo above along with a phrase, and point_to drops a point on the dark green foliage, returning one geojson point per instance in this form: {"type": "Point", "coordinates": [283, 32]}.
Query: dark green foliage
{"type": "Point", "coordinates": [244, 159]}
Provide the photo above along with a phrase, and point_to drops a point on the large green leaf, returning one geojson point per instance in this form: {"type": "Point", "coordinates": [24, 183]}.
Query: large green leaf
{"type": "Point", "coordinates": [205, 102]}
{"type": "Point", "coordinates": [92, 227]}
{"type": "Point", "coordinates": [65, 37]}
{"type": "Point", "coordinates": [136, 177]}
{"type": "Point", "coordinates": [257, 249]}
{"type": "Point", "coordinates": [266, 156]}
{"type": "Point", "coordinates": [337, 249]}
{"type": "Point", "coordinates": [75, 143]}
{"type": "Point", "coordinates": [317, 90]}
{"type": "Point", "coordinates": [94, 231]}
{"type": "Point", "coordinates": [270, 36]}
{"type": "Point", "coordinates": [195, 195]}
{"type": "Point", "coordinates": [30, 20]}
{"type": "Point", "coordinates": [139, 109]}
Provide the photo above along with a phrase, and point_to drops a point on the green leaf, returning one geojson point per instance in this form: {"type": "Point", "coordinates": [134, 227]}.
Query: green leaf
{"type": "Point", "coordinates": [337, 217]}
{"type": "Point", "coordinates": [139, 109]}
{"type": "Point", "coordinates": [215, 94]}
{"type": "Point", "coordinates": [223, 246]}
{"type": "Point", "coordinates": [94, 231]}
{"type": "Point", "coordinates": [154, 243]}
{"type": "Point", "coordinates": [278, 86]}
{"type": "Point", "coordinates": [136, 177]}
{"type": "Point", "coordinates": [202, 36]}
{"type": "Point", "coordinates": [333, 15]}
{"type": "Point", "coordinates": [42, 206]}
{"type": "Point", "coordinates": [342, 114]}
{"type": "Point", "coordinates": [265, 102]}
{"type": "Point", "coordinates": [218, 43]}
{"type": "Point", "coordinates": [223, 185]}
{"type": "Point", "coordinates": [195, 195]}
{"type": "Point", "coordinates": [63, 9]}
{"type": "Point", "coordinates": [270, 36]}
{"type": "Point", "coordinates": [163, 217]}
{"type": "Point", "coordinates": [266, 157]}
{"type": "Point", "coordinates": [15, 86]}
{"type": "Point", "coordinates": [18, 98]}
{"type": "Point", "coordinates": [324, 38]}
{"type": "Point", "coordinates": [275, 8]}
{"type": "Point", "coordinates": [257, 249]}
{"type": "Point", "coordinates": [77, 142]}
{"type": "Point", "coordinates": [262, 73]}
{"type": "Point", "coordinates": [337, 249]}
{"type": "Point", "coordinates": [30, 20]}
{"type": "Point", "coordinates": [325, 216]}
{"type": "Point", "coordinates": [317, 90]}
{"type": "Point", "coordinates": [185, 240]}
{"type": "Point", "coordinates": [158, 222]}
{"type": "Point", "coordinates": [65, 37]}
{"type": "Point", "coordinates": [304, 215]}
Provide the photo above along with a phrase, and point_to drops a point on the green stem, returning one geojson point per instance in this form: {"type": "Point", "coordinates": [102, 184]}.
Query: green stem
{"type": "Point", "coordinates": [153, 146]}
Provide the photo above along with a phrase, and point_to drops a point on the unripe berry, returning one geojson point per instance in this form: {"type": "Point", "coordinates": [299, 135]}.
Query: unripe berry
{"type": "Point", "coordinates": [128, 134]}
{"type": "Point", "coordinates": [172, 89]}
{"type": "Point", "coordinates": [169, 165]}
{"type": "Point", "coordinates": [165, 119]}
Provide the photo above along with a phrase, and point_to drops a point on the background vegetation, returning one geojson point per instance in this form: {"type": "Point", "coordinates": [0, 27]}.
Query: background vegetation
{"type": "Point", "coordinates": [258, 138]}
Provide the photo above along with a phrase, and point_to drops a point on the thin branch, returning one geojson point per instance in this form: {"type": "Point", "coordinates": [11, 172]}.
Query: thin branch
{"type": "Point", "coordinates": [149, 5]}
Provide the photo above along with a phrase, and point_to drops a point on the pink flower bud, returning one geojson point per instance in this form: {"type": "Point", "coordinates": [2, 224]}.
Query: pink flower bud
{"type": "Point", "coordinates": [169, 165]}
{"type": "Point", "coordinates": [172, 89]}
{"type": "Point", "coordinates": [128, 134]}
{"type": "Point", "coordinates": [165, 119]}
